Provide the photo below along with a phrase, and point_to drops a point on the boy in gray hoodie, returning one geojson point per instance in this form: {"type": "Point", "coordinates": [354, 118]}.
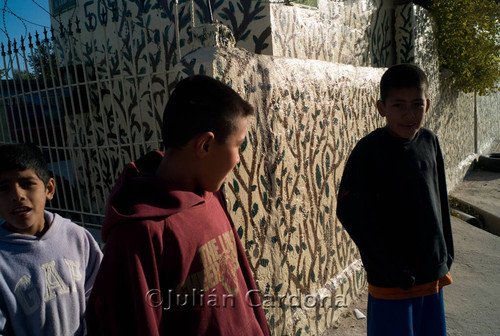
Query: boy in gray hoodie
{"type": "Point", "coordinates": [47, 263]}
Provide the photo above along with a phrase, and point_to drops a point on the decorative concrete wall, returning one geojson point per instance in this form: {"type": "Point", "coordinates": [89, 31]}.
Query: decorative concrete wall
{"type": "Point", "coordinates": [124, 52]}
{"type": "Point", "coordinates": [121, 53]}
{"type": "Point", "coordinates": [345, 31]}
{"type": "Point", "coordinates": [282, 196]}
{"type": "Point", "coordinates": [488, 108]}
{"type": "Point", "coordinates": [349, 32]}
{"type": "Point", "coordinates": [309, 115]}
{"type": "Point", "coordinates": [145, 25]}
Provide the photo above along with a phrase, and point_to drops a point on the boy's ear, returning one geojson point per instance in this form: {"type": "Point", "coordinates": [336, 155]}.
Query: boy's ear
{"type": "Point", "coordinates": [203, 142]}
{"type": "Point", "coordinates": [381, 108]}
{"type": "Point", "coordinates": [50, 189]}
{"type": "Point", "coordinates": [428, 101]}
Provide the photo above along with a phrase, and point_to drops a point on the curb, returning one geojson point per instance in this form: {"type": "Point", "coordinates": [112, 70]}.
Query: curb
{"type": "Point", "coordinates": [475, 221]}
{"type": "Point", "coordinates": [490, 162]}
{"type": "Point", "coordinates": [490, 222]}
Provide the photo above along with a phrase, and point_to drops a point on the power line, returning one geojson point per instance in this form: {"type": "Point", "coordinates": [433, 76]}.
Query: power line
{"type": "Point", "coordinates": [48, 12]}
{"type": "Point", "coordinates": [3, 18]}
{"type": "Point", "coordinates": [41, 7]}
{"type": "Point", "coordinates": [7, 10]}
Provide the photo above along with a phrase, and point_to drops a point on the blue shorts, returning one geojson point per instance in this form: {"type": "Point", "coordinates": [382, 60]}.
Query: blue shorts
{"type": "Point", "coordinates": [421, 316]}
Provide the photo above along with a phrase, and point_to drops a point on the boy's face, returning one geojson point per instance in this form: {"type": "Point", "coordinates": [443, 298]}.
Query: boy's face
{"type": "Point", "coordinates": [22, 201]}
{"type": "Point", "coordinates": [223, 157]}
{"type": "Point", "coordinates": [404, 110]}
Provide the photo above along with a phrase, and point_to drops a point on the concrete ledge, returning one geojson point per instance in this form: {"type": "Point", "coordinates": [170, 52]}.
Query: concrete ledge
{"type": "Point", "coordinates": [481, 190]}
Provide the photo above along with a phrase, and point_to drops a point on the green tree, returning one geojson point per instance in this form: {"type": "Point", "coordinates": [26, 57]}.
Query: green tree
{"type": "Point", "coordinates": [19, 74]}
{"type": "Point", "coordinates": [43, 62]}
{"type": "Point", "coordinates": [468, 34]}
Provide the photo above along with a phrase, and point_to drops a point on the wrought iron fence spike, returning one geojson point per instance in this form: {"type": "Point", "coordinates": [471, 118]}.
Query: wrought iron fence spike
{"type": "Point", "coordinates": [45, 35]}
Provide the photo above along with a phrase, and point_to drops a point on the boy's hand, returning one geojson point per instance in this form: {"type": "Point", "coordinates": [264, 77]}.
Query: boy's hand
{"type": "Point", "coordinates": [407, 280]}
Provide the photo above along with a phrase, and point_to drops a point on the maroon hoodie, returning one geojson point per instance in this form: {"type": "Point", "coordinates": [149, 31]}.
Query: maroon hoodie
{"type": "Point", "coordinates": [173, 263]}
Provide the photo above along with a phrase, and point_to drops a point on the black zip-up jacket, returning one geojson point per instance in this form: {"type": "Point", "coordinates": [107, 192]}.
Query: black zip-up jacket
{"type": "Point", "coordinates": [393, 203]}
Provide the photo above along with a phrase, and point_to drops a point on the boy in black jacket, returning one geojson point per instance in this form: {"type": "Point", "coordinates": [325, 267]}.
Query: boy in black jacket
{"type": "Point", "coordinates": [393, 203]}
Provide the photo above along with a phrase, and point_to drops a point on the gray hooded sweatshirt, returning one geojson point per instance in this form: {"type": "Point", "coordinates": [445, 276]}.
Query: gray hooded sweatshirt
{"type": "Point", "coordinates": [45, 281]}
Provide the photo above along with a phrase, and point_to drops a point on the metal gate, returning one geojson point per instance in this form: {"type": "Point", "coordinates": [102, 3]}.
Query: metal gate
{"type": "Point", "coordinates": [91, 102]}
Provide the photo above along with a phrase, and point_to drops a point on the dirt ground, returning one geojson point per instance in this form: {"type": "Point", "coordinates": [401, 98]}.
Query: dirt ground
{"type": "Point", "coordinates": [348, 324]}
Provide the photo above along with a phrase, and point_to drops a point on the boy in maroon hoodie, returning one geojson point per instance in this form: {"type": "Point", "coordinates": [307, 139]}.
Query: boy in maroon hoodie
{"type": "Point", "coordinates": [173, 262]}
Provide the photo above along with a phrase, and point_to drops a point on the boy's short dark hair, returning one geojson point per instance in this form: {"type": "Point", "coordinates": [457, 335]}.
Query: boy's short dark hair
{"type": "Point", "coordinates": [201, 104]}
{"type": "Point", "coordinates": [402, 76]}
{"type": "Point", "coordinates": [22, 156]}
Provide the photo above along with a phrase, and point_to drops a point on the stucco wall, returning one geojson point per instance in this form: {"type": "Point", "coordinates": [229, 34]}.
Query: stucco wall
{"type": "Point", "coordinates": [488, 108]}
{"type": "Point", "coordinates": [349, 32]}
{"type": "Point", "coordinates": [357, 32]}
{"type": "Point", "coordinates": [309, 115]}
{"type": "Point", "coordinates": [143, 26]}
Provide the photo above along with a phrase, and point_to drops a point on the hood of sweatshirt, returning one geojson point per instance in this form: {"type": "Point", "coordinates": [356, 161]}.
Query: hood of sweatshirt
{"type": "Point", "coordinates": [139, 195]}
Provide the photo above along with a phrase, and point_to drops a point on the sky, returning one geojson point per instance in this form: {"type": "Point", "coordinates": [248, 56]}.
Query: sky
{"type": "Point", "coordinates": [20, 17]}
